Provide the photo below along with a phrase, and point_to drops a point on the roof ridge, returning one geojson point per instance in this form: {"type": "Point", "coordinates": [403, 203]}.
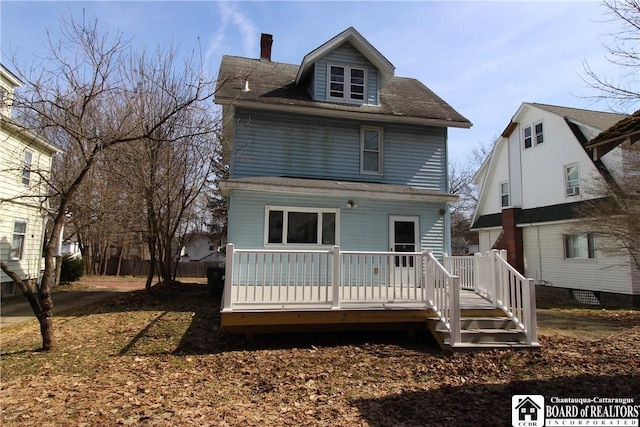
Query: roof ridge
{"type": "Point", "coordinates": [539, 104]}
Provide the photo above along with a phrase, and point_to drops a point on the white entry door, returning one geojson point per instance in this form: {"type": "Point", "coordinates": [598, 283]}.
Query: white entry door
{"type": "Point", "coordinates": [404, 237]}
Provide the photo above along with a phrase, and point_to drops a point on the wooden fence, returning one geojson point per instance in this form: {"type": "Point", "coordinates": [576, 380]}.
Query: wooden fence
{"type": "Point", "coordinates": [141, 268]}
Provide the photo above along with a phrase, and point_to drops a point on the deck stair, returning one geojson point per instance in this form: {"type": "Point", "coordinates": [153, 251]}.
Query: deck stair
{"type": "Point", "coordinates": [478, 333]}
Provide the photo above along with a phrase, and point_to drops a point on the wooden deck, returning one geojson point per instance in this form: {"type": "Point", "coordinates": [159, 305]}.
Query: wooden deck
{"type": "Point", "coordinates": [271, 317]}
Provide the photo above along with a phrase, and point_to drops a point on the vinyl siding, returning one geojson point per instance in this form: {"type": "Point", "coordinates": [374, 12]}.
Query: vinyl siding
{"type": "Point", "coordinates": [346, 54]}
{"type": "Point", "coordinates": [544, 260]}
{"type": "Point", "coordinates": [18, 201]}
{"type": "Point", "coordinates": [269, 144]}
{"type": "Point", "coordinates": [363, 228]}
{"type": "Point", "coordinates": [28, 267]}
{"type": "Point", "coordinates": [487, 238]}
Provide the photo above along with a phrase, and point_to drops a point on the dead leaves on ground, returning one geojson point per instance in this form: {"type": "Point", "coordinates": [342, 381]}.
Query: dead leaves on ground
{"type": "Point", "coordinates": [162, 360]}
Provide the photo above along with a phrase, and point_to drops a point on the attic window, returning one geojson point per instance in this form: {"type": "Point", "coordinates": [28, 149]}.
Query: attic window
{"type": "Point", "coordinates": [346, 83]}
{"type": "Point", "coordinates": [533, 135]}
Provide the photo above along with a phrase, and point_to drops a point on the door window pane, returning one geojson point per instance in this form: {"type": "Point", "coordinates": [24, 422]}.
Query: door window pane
{"type": "Point", "coordinates": [328, 228]}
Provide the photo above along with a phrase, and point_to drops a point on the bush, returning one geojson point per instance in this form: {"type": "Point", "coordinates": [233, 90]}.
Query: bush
{"type": "Point", "coordinates": [72, 269]}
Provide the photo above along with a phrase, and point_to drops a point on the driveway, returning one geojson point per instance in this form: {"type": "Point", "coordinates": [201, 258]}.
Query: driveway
{"type": "Point", "coordinates": [18, 310]}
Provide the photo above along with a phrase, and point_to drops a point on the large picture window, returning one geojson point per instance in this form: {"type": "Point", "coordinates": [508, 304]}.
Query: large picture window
{"type": "Point", "coordinates": [301, 226]}
{"type": "Point", "coordinates": [579, 246]}
{"type": "Point", "coordinates": [18, 240]}
{"type": "Point", "coordinates": [346, 83]}
{"type": "Point", "coordinates": [371, 150]}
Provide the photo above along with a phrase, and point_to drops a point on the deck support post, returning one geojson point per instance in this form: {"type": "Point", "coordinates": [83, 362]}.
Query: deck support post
{"type": "Point", "coordinates": [228, 279]}
{"type": "Point", "coordinates": [493, 277]}
{"type": "Point", "coordinates": [335, 285]}
{"type": "Point", "coordinates": [529, 302]}
{"type": "Point", "coordinates": [455, 310]}
{"type": "Point", "coordinates": [503, 277]}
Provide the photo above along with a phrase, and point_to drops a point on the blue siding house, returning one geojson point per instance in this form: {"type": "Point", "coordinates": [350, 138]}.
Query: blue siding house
{"type": "Point", "coordinates": [335, 166]}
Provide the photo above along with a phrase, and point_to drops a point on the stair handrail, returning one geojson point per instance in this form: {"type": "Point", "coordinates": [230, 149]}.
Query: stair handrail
{"type": "Point", "coordinates": [443, 295]}
{"type": "Point", "coordinates": [516, 295]}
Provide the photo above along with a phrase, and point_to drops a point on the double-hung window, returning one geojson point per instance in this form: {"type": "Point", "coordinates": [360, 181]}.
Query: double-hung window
{"type": "Point", "coordinates": [504, 194]}
{"type": "Point", "coordinates": [18, 240]}
{"type": "Point", "coordinates": [579, 246]}
{"type": "Point", "coordinates": [572, 180]}
{"type": "Point", "coordinates": [26, 167]}
{"type": "Point", "coordinates": [301, 226]}
{"type": "Point", "coordinates": [346, 83]}
{"type": "Point", "coordinates": [371, 150]}
{"type": "Point", "coordinates": [533, 134]}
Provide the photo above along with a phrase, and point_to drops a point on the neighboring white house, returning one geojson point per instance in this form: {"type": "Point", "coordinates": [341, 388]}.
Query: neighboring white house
{"type": "Point", "coordinates": [538, 173]}
{"type": "Point", "coordinates": [25, 159]}
{"type": "Point", "coordinates": [201, 247]}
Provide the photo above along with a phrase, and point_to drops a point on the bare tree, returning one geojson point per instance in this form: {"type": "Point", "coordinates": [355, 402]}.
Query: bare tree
{"type": "Point", "coordinates": [612, 215]}
{"type": "Point", "coordinates": [623, 53]}
{"type": "Point", "coordinates": [86, 99]}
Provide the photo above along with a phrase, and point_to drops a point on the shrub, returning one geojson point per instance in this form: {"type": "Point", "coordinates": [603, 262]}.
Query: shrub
{"type": "Point", "coordinates": [72, 269]}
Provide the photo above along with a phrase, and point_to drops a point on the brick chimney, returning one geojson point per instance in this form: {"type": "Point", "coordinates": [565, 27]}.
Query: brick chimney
{"type": "Point", "coordinates": [266, 40]}
{"type": "Point", "coordinates": [511, 238]}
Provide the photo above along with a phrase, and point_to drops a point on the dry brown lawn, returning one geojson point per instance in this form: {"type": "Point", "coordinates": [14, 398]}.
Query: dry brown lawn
{"type": "Point", "coordinates": [162, 360]}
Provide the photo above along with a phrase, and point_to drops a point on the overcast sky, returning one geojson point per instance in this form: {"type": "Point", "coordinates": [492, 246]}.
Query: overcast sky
{"type": "Point", "coordinates": [483, 58]}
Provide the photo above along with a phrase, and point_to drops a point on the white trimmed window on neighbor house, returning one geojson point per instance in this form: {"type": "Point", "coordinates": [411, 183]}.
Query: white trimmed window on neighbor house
{"type": "Point", "coordinates": [18, 240]}
{"type": "Point", "coordinates": [346, 83]}
{"type": "Point", "coordinates": [26, 167]}
{"type": "Point", "coordinates": [579, 246]}
{"type": "Point", "coordinates": [504, 194]}
{"type": "Point", "coordinates": [533, 135]}
{"type": "Point", "coordinates": [572, 180]}
{"type": "Point", "coordinates": [371, 150]}
{"type": "Point", "coordinates": [301, 226]}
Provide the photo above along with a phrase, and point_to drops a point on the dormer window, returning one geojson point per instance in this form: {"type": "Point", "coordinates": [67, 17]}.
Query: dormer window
{"type": "Point", "coordinates": [346, 83]}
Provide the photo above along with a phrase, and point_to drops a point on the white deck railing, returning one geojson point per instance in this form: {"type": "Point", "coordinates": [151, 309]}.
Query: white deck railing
{"type": "Point", "coordinates": [443, 294]}
{"type": "Point", "coordinates": [463, 267]}
{"type": "Point", "coordinates": [498, 281]}
{"type": "Point", "coordinates": [329, 279]}
{"type": "Point", "coordinates": [268, 278]}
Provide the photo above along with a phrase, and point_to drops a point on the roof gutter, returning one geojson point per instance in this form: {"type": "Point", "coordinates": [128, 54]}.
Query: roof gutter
{"type": "Point", "coordinates": [315, 111]}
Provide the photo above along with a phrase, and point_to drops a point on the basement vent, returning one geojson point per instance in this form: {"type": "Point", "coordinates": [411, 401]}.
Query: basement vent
{"type": "Point", "coordinates": [586, 297]}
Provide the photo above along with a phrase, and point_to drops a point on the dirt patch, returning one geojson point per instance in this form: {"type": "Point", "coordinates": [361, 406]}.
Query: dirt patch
{"type": "Point", "coordinates": [162, 360]}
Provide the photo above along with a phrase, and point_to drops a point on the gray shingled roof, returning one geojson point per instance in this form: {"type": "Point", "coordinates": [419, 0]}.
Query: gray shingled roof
{"type": "Point", "coordinates": [273, 83]}
{"type": "Point", "coordinates": [597, 119]}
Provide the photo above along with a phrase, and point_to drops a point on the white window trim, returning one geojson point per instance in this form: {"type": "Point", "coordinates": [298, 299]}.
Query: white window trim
{"type": "Point", "coordinates": [380, 170]}
{"type": "Point", "coordinates": [576, 189]}
{"type": "Point", "coordinates": [587, 258]}
{"type": "Point", "coordinates": [24, 239]}
{"type": "Point", "coordinates": [347, 84]}
{"type": "Point", "coordinates": [285, 210]}
{"type": "Point", "coordinates": [25, 175]}
{"type": "Point", "coordinates": [500, 194]}
{"type": "Point", "coordinates": [534, 135]}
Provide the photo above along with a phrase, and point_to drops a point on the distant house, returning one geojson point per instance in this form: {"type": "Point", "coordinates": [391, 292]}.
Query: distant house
{"type": "Point", "coordinates": [338, 200]}
{"type": "Point", "coordinates": [25, 161]}
{"type": "Point", "coordinates": [202, 247]}
{"type": "Point", "coordinates": [532, 186]}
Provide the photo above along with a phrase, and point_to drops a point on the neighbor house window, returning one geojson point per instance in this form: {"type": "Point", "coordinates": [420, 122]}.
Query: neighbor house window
{"type": "Point", "coordinates": [533, 135]}
{"type": "Point", "coordinates": [347, 83]}
{"type": "Point", "coordinates": [504, 194]}
{"type": "Point", "coordinates": [26, 167]}
{"type": "Point", "coordinates": [17, 243]}
{"type": "Point", "coordinates": [301, 226]}
{"type": "Point", "coordinates": [579, 246]}
{"type": "Point", "coordinates": [371, 150]}
{"type": "Point", "coordinates": [572, 180]}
